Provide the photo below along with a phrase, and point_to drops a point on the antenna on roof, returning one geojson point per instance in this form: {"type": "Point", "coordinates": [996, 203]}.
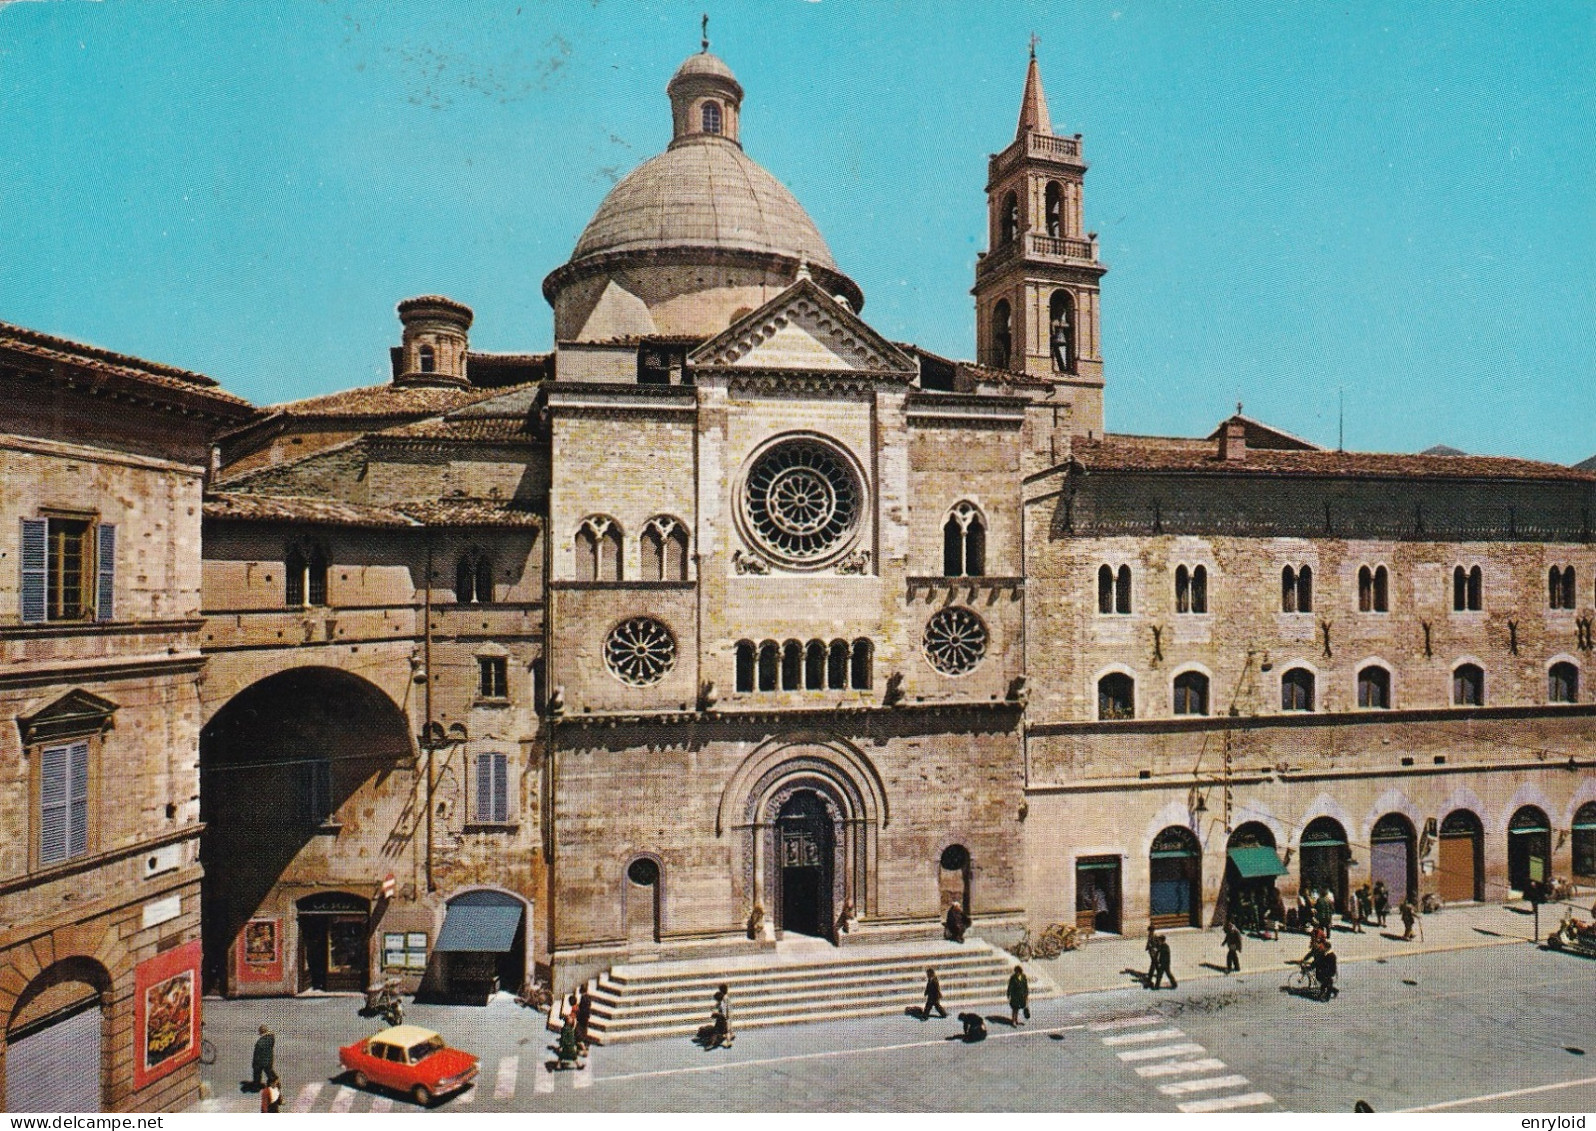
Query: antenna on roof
{"type": "Point", "coordinates": [703, 26]}
{"type": "Point", "coordinates": [1341, 422]}
{"type": "Point", "coordinates": [1035, 39]}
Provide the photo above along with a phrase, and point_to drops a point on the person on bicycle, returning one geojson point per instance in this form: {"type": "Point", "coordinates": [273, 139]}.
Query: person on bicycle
{"type": "Point", "coordinates": [1324, 969]}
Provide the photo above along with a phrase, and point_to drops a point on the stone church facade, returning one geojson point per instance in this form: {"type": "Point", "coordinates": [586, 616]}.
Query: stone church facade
{"type": "Point", "coordinates": [728, 620]}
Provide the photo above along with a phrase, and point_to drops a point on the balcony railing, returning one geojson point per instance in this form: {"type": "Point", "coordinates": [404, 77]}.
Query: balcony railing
{"type": "Point", "coordinates": [1044, 146]}
{"type": "Point", "coordinates": [1039, 248]}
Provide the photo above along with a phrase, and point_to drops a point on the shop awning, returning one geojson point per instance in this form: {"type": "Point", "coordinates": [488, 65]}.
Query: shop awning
{"type": "Point", "coordinates": [1257, 862]}
{"type": "Point", "coordinates": [478, 927]}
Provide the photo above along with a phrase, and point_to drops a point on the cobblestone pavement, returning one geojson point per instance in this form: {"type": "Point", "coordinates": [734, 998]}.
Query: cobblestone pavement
{"type": "Point", "coordinates": [1433, 1028]}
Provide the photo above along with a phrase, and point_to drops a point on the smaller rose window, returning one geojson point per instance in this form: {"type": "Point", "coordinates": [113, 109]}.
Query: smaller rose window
{"type": "Point", "coordinates": [640, 651]}
{"type": "Point", "coordinates": [955, 641]}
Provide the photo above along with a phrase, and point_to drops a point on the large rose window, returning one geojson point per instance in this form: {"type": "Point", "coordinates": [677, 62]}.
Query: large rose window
{"type": "Point", "coordinates": [955, 641]}
{"type": "Point", "coordinates": [801, 502]}
{"type": "Point", "coordinates": [640, 651]}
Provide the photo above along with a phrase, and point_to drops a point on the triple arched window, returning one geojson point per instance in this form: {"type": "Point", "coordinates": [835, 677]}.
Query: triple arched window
{"type": "Point", "coordinates": [473, 579]}
{"type": "Point", "coordinates": [1114, 590]}
{"type": "Point", "coordinates": [796, 666]}
{"type": "Point", "coordinates": [305, 576]}
{"type": "Point", "coordinates": [1561, 588]}
{"type": "Point", "coordinates": [598, 549]}
{"type": "Point", "coordinates": [964, 542]}
{"type": "Point", "coordinates": [1467, 586]}
{"type": "Point", "coordinates": [1296, 589]}
{"type": "Point", "coordinates": [1374, 590]}
{"type": "Point", "coordinates": [1191, 589]}
{"type": "Point", "coordinates": [664, 546]}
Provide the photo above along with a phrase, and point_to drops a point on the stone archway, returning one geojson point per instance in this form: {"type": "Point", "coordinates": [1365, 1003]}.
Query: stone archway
{"type": "Point", "coordinates": [278, 763]}
{"type": "Point", "coordinates": [57, 1046]}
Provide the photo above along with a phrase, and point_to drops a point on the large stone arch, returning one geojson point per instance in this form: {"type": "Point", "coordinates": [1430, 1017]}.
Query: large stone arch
{"type": "Point", "coordinates": [39, 997]}
{"type": "Point", "coordinates": [278, 762]}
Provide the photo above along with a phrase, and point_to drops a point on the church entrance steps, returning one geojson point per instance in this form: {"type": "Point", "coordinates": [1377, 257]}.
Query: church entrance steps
{"type": "Point", "coordinates": [639, 1001]}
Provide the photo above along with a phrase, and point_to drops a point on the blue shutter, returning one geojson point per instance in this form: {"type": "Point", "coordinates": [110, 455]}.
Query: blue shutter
{"type": "Point", "coordinates": [501, 790]}
{"type": "Point", "coordinates": [78, 800]}
{"type": "Point", "coordinates": [105, 590]}
{"type": "Point", "coordinates": [35, 560]}
{"type": "Point", "coordinates": [54, 766]}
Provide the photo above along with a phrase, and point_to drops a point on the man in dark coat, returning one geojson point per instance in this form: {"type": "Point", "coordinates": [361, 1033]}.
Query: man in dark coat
{"type": "Point", "coordinates": [933, 995]}
{"type": "Point", "coordinates": [957, 922]}
{"type": "Point", "coordinates": [1324, 969]}
{"type": "Point", "coordinates": [1161, 959]}
{"type": "Point", "coordinates": [1326, 910]}
{"type": "Point", "coordinates": [1019, 996]}
{"type": "Point", "coordinates": [261, 1060]}
{"type": "Point", "coordinates": [1232, 947]}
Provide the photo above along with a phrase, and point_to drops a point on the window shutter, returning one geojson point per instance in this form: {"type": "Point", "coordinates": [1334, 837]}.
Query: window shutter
{"type": "Point", "coordinates": [105, 590]}
{"type": "Point", "coordinates": [35, 558]}
{"type": "Point", "coordinates": [493, 795]}
{"type": "Point", "coordinates": [484, 787]}
{"type": "Point", "coordinates": [53, 804]}
{"type": "Point", "coordinates": [78, 800]}
{"type": "Point", "coordinates": [501, 788]}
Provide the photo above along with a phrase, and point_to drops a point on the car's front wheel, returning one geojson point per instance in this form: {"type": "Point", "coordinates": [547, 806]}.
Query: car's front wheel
{"type": "Point", "coordinates": [362, 1081]}
{"type": "Point", "coordinates": [421, 1095]}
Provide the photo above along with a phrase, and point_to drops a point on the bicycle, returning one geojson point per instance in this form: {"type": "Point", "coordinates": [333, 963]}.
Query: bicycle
{"type": "Point", "coordinates": [207, 1049]}
{"type": "Point", "coordinates": [1302, 980]}
{"type": "Point", "coordinates": [1054, 941]}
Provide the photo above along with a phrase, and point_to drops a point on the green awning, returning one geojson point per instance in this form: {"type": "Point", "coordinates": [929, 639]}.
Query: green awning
{"type": "Point", "coordinates": [475, 927]}
{"type": "Point", "coordinates": [1257, 862]}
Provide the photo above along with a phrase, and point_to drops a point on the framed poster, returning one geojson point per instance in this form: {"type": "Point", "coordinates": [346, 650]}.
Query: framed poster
{"type": "Point", "coordinates": [166, 1013]}
{"type": "Point", "coordinates": [260, 950]}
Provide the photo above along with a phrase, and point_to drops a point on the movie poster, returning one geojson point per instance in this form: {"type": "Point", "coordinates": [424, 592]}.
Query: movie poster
{"type": "Point", "coordinates": [260, 951]}
{"type": "Point", "coordinates": [166, 1012]}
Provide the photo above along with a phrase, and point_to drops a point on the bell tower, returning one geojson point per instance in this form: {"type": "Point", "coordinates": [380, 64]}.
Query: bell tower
{"type": "Point", "coordinates": [1037, 285]}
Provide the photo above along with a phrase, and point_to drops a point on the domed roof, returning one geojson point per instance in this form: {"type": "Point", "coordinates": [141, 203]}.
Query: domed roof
{"type": "Point", "coordinates": [704, 194]}
{"type": "Point", "coordinates": [704, 64]}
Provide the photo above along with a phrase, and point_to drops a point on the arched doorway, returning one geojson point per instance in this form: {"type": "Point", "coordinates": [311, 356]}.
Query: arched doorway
{"type": "Point", "coordinates": [1529, 847]}
{"type": "Point", "coordinates": [805, 843]}
{"type": "Point", "coordinates": [482, 946]}
{"type": "Point", "coordinates": [55, 1040]}
{"type": "Point", "coordinates": [1324, 857]}
{"type": "Point", "coordinates": [642, 900]}
{"type": "Point", "coordinates": [1175, 879]}
{"type": "Point", "coordinates": [953, 879]}
{"type": "Point", "coordinates": [1462, 858]}
{"type": "Point", "coordinates": [1251, 866]}
{"type": "Point", "coordinates": [278, 763]}
{"type": "Point", "coordinates": [1392, 856]}
{"type": "Point", "coordinates": [1584, 846]}
{"type": "Point", "coordinates": [334, 936]}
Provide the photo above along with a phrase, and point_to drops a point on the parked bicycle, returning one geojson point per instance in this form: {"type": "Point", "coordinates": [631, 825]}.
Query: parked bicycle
{"type": "Point", "coordinates": [207, 1047]}
{"type": "Point", "coordinates": [384, 999]}
{"type": "Point", "coordinates": [1054, 941]}
{"type": "Point", "coordinates": [536, 994]}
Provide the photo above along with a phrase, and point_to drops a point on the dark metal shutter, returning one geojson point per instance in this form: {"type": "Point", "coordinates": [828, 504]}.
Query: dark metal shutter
{"type": "Point", "coordinates": [105, 587]}
{"type": "Point", "coordinates": [35, 559]}
{"type": "Point", "coordinates": [57, 1068]}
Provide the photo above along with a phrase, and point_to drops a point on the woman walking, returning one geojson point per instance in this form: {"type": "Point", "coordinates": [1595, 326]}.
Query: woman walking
{"type": "Point", "coordinates": [1019, 996]}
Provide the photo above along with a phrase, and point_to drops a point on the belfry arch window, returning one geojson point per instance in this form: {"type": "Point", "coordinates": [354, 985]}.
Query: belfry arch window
{"type": "Point", "coordinates": [1191, 589]}
{"type": "Point", "coordinates": [964, 542]}
{"type": "Point", "coordinates": [1061, 331]}
{"type": "Point", "coordinates": [1467, 589]}
{"type": "Point", "coordinates": [1009, 221]}
{"type": "Point", "coordinates": [598, 549]}
{"type": "Point", "coordinates": [1296, 589]}
{"type": "Point", "coordinates": [1002, 334]}
{"type": "Point", "coordinates": [710, 115]}
{"type": "Point", "coordinates": [1054, 204]}
{"type": "Point", "coordinates": [473, 579]}
{"type": "Point", "coordinates": [664, 550]}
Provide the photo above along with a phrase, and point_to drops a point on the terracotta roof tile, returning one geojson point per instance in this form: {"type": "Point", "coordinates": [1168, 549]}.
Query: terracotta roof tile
{"type": "Point", "coordinates": [470, 429]}
{"type": "Point", "coordinates": [456, 511]}
{"type": "Point", "coordinates": [153, 374]}
{"type": "Point", "coordinates": [301, 509]}
{"type": "Point", "coordinates": [387, 400]}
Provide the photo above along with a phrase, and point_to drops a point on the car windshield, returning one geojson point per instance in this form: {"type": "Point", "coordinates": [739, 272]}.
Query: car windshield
{"type": "Point", "coordinates": [425, 1049]}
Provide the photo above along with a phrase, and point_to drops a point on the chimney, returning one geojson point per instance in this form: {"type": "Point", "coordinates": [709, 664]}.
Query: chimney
{"type": "Point", "coordinates": [1233, 440]}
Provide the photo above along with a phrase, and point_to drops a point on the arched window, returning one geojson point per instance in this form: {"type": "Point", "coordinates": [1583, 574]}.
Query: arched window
{"type": "Point", "coordinates": [1365, 590]}
{"type": "Point", "coordinates": [1468, 686]}
{"type": "Point", "coordinates": [1529, 844]}
{"type": "Point", "coordinates": [294, 578]}
{"type": "Point", "coordinates": [1191, 589]}
{"type": "Point", "coordinates": [1562, 683]}
{"type": "Point", "coordinates": [598, 550]}
{"type": "Point", "coordinates": [1061, 331]}
{"type": "Point", "coordinates": [815, 666]}
{"type": "Point", "coordinates": [1382, 589]}
{"type": "Point", "coordinates": [863, 661]}
{"type": "Point", "coordinates": [484, 579]}
{"type": "Point", "coordinates": [1054, 204]}
{"type": "Point", "coordinates": [711, 117]}
{"type": "Point", "coordinates": [427, 361]}
{"type": "Point", "coordinates": [1584, 836]}
{"type": "Point", "coordinates": [1002, 334]}
{"type": "Point", "coordinates": [837, 666]}
{"type": "Point", "coordinates": [1122, 590]}
{"type": "Point", "coordinates": [664, 546]}
{"type": "Point", "coordinates": [745, 665]}
{"type": "Point", "coordinates": [1296, 690]}
{"type": "Point", "coordinates": [1105, 589]}
{"type": "Point", "coordinates": [769, 664]}
{"type": "Point", "coordinates": [1009, 229]}
{"type": "Point", "coordinates": [1374, 688]}
{"type": "Point", "coordinates": [964, 542]}
{"type": "Point", "coordinates": [316, 577]}
{"type": "Point", "coordinates": [1191, 693]}
{"type": "Point", "coordinates": [1296, 589]}
{"type": "Point", "coordinates": [1175, 878]}
{"type": "Point", "coordinates": [1561, 588]}
{"type": "Point", "coordinates": [1467, 586]}
{"type": "Point", "coordinates": [792, 666]}
{"type": "Point", "coordinates": [1116, 696]}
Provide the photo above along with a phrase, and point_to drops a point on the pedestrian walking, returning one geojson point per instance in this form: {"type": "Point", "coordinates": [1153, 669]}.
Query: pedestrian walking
{"type": "Point", "coordinates": [271, 1096]}
{"type": "Point", "coordinates": [262, 1061]}
{"type": "Point", "coordinates": [1277, 912]}
{"type": "Point", "coordinates": [1324, 969]}
{"type": "Point", "coordinates": [1232, 947]}
{"type": "Point", "coordinates": [1019, 996]}
{"type": "Point", "coordinates": [1327, 910]}
{"type": "Point", "coordinates": [1382, 903]}
{"type": "Point", "coordinates": [1365, 902]}
{"type": "Point", "coordinates": [1307, 909]}
{"type": "Point", "coordinates": [568, 1053]}
{"type": "Point", "coordinates": [1408, 915]}
{"type": "Point", "coordinates": [845, 917]}
{"type": "Point", "coordinates": [584, 1015]}
{"type": "Point", "coordinates": [721, 1019]}
{"type": "Point", "coordinates": [956, 923]}
{"type": "Point", "coordinates": [1161, 969]}
{"type": "Point", "coordinates": [933, 995]}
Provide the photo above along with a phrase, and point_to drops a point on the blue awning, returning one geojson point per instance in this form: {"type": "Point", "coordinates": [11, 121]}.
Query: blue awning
{"type": "Point", "coordinates": [1256, 862]}
{"type": "Point", "coordinates": [482, 927]}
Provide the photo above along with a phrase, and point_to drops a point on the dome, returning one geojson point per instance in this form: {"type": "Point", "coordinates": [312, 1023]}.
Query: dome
{"type": "Point", "coordinates": [704, 195]}
{"type": "Point", "coordinates": [705, 64]}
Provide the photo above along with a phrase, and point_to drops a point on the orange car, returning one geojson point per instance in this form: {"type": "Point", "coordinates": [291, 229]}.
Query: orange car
{"type": "Point", "coordinates": [408, 1058]}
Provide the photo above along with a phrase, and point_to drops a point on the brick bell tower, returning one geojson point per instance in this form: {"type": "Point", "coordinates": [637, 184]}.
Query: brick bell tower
{"type": "Point", "coordinates": [1036, 289]}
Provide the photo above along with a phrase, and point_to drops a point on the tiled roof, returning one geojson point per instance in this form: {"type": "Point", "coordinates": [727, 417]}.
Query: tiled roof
{"type": "Point", "coordinates": [387, 400]}
{"type": "Point", "coordinates": [155, 375]}
{"type": "Point", "coordinates": [456, 511]}
{"type": "Point", "coordinates": [1586, 465]}
{"type": "Point", "coordinates": [468, 429]}
{"type": "Point", "coordinates": [1116, 452]}
{"type": "Point", "coordinates": [300, 509]}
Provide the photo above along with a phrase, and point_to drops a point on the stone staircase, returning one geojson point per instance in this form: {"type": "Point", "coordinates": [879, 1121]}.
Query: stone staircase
{"type": "Point", "coordinates": [803, 980]}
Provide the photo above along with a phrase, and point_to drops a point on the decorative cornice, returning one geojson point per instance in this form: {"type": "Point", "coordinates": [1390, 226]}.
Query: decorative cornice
{"type": "Point", "coordinates": [830, 712]}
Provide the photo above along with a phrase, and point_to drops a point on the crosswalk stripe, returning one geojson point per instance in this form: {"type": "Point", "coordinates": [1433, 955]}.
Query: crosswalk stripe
{"type": "Point", "coordinates": [1225, 1103]}
{"type": "Point", "coordinates": [1180, 1067]}
{"type": "Point", "coordinates": [1161, 1051]}
{"type": "Point", "coordinates": [382, 1103]}
{"type": "Point", "coordinates": [584, 1076]}
{"type": "Point", "coordinates": [343, 1101]}
{"type": "Point", "coordinates": [545, 1080]}
{"type": "Point", "coordinates": [1127, 1022]}
{"type": "Point", "coordinates": [1143, 1038]}
{"type": "Point", "coordinates": [1182, 1087]}
{"type": "Point", "coordinates": [467, 1096]}
{"type": "Point", "coordinates": [307, 1096]}
{"type": "Point", "coordinates": [504, 1087]}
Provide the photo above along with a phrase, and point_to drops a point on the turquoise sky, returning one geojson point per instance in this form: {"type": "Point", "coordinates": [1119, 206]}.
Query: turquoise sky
{"type": "Point", "coordinates": [1394, 200]}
